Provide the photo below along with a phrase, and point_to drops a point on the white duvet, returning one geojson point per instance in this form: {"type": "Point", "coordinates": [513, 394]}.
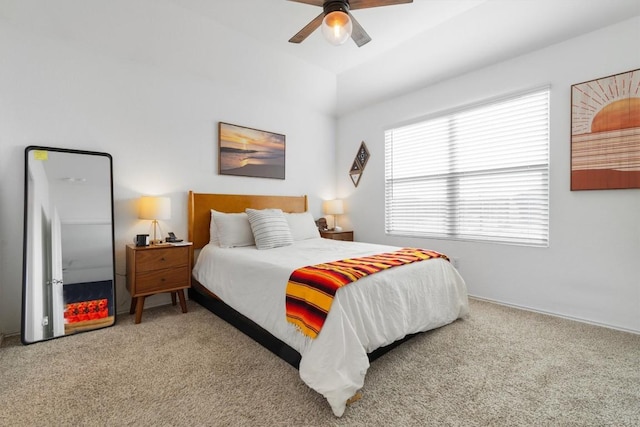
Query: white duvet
{"type": "Point", "coordinates": [370, 313]}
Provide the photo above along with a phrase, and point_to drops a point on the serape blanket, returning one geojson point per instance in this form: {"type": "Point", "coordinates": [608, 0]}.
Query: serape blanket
{"type": "Point", "coordinates": [310, 290]}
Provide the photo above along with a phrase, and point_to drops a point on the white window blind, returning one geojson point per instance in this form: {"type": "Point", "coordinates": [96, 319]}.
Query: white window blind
{"type": "Point", "coordinates": [480, 173]}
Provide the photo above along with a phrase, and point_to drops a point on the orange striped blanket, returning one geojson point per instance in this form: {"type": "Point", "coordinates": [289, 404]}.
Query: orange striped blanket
{"type": "Point", "coordinates": [310, 290]}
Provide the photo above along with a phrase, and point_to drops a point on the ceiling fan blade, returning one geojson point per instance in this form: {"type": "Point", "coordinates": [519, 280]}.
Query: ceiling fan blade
{"type": "Point", "coordinates": [358, 34]}
{"type": "Point", "coordinates": [365, 4]}
{"type": "Point", "coordinates": [308, 29]}
{"type": "Point", "coordinates": [311, 2]}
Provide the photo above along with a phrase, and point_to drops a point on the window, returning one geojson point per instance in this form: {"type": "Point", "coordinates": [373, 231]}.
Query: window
{"type": "Point", "coordinates": [480, 173]}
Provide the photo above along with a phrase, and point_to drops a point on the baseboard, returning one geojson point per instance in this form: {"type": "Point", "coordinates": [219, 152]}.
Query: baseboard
{"type": "Point", "coordinates": [550, 313]}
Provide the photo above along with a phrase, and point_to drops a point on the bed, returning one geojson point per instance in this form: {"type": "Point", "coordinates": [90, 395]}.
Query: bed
{"type": "Point", "coordinates": [246, 286]}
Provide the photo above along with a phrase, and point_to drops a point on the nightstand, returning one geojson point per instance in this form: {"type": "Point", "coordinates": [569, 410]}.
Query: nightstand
{"type": "Point", "coordinates": [338, 235]}
{"type": "Point", "coordinates": [155, 269]}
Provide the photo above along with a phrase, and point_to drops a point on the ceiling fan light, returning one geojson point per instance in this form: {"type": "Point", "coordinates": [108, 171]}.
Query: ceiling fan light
{"type": "Point", "coordinates": [337, 27]}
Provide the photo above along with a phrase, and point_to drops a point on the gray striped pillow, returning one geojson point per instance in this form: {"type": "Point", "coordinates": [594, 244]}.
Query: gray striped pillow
{"type": "Point", "coordinates": [270, 228]}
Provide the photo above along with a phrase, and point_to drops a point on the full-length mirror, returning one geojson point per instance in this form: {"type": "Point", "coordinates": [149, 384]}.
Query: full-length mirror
{"type": "Point", "coordinates": [68, 271]}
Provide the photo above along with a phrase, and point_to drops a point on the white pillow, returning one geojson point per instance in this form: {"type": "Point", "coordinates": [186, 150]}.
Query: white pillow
{"type": "Point", "coordinates": [213, 231]}
{"type": "Point", "coordinates": [233, 229]}
{"type": "Point", "coordinates": [302, 226]}
{"type": "Point", "coordinates": [270, 228]}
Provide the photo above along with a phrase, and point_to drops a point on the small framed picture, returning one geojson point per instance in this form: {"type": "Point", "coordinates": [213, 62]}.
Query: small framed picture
{"type": "Point", "coordinates": [360, 161]}
{"type": "Point", "coordinates": [250, 152]}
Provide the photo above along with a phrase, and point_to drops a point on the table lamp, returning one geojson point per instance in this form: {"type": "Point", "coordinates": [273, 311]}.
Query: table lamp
{"type": "Point", "coordinates": [335, 208]}
{"type": "Point", "coordinates": [154, 208]}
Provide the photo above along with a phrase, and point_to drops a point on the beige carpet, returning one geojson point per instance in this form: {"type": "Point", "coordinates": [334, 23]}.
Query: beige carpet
{"type": "Point", "coordinates": [500, 366]}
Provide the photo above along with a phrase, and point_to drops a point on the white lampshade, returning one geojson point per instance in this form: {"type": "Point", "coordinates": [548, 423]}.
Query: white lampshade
{"type": "Point", "coordinates": [337, 27]}
{"type": "Point", "coordinates": [334, 207]}
{"type": "Point", "coordinates": [154, 208]}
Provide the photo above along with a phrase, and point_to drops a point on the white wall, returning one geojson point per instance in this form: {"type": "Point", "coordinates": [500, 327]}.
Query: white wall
{"type": "Point", "coordinates": [591, 271]}
{"type": "Point", "coordinates": [148, 85]}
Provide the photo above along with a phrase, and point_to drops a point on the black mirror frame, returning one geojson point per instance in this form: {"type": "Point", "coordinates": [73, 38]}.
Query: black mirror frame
{"type": "Point", "coordinates": [29, 149]}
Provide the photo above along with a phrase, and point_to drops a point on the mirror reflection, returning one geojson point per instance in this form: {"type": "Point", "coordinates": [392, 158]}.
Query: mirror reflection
{"type": "Point", "coordinates": [68, 271]}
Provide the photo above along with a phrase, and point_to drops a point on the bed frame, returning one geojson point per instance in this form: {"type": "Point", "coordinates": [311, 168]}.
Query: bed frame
{"type": "Point", "coordinates": [199, 217]}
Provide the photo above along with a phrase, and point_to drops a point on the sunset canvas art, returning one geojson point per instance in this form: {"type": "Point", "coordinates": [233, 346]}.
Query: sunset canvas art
{"type": "Point", "coordinates": [605, 133]}
{"type": "Point", "coordinates": [250, 152]}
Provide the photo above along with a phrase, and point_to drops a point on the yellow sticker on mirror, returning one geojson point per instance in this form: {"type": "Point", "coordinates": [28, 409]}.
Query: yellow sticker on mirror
{"type": "Point", "coordinates": [40, 155]}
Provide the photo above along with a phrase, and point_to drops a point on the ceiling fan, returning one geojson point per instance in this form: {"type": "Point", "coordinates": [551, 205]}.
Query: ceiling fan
{"type": "Point", "coordinates": [338, 24]}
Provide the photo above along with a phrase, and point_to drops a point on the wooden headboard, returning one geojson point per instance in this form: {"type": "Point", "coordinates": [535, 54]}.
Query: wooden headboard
{"type": "Point", "coordinates": [200, 205]}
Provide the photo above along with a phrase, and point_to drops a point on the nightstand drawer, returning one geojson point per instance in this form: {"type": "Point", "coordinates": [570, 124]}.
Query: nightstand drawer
{"type": "Point", "coordinates": [162, 280]}
{"type": "Point", "coordinates": [162, 258]}
{"type": "Point", "coordinates": [337, 235]}
{"type": "Point", "coordinates": [348, 236]}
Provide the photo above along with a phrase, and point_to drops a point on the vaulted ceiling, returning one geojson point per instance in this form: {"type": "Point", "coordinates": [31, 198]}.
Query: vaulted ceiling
{"type": "Point", "coordinates": [418, 43]}
{"type": "Point", "coordinates": [413, 45]}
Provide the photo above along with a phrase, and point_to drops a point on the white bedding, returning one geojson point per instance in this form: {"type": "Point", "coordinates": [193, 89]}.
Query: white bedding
{"type": "Point", "coordinates": [370, 313]}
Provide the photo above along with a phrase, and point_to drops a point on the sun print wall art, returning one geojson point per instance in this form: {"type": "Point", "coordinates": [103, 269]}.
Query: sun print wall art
{"type": "Point", "coordinates": [605, 133]}
{"type": "Point", "coordinates": [251, 152]}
